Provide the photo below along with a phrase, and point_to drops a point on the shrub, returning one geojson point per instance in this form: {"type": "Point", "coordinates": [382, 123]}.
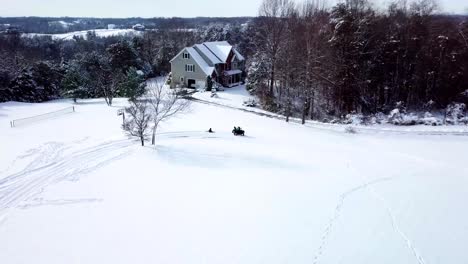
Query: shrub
{"type": "Point", "coordinates": [399, 118]}
{"type": "Point", "coordinates": [350, 130]}
{"type": "Point", "coordinates": [455, 113]}
{"type": "Point", "coordinates": [353, 119]}
{"type": "Point", "coordinates": [430, 120]}
{"type": "Point", "coordinates": [250, 103]}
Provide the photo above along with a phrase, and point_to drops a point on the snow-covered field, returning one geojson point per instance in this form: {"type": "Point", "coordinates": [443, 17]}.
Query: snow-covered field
{"type": "Point", "coordinates": [75, 189]}
{"type": "Point", "coordinates": [99, 33]}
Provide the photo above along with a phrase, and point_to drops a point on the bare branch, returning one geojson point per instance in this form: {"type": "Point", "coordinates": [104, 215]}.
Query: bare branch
{"type": "Point", "coordinates": [164, 102]}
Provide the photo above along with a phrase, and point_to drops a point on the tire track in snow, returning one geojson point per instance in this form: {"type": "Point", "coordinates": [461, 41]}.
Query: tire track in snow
{"type": "Point", "coordinates": [42, 154]}
{"type": "Point", "coordinates": [29, 182]}
{"type": "Point", "coordinates": [36, 202]}
{"type": "Point", "coordinates": [337, 212]}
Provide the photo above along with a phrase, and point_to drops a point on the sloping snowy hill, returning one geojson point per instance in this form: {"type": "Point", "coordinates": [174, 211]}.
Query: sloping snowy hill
{"type": "Point", "coordinates": [74, 189]}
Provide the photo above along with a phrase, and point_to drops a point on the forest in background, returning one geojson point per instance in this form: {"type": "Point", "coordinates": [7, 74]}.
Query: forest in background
{"type": "Point", "coordinates": [305, 60]}
{"type": "Point", "coordinates": [53, 25]}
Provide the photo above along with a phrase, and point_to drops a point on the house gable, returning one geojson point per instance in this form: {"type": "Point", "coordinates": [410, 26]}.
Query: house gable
{"type": "Point", "coordinates": [193, 58]}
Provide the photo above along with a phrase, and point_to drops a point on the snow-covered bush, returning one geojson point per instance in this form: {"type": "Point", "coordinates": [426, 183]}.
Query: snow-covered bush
{"type": "Point", "coordinates": [350, 130]}
{"type": "Point", "coordinates": [250, 103]}
{"type": "Point", "coordinates": [218, 87]}
{"type": "Point", "coordinates": [395, 116]}
{"type": "Point", "coordinates": [464, 120]}
{"type": "Point", "coordinates": [353, 119]}
{"type": "Point", "coordinates": [214, 94]}
{"type": "Point", "coordinates": [379, 118]}
{"type": "Point", "coordinates": [455, 113]}
{"type": "Point", "coordinates": [399, 118]}
{"type": "Point", "coordinates": [410, 120]}
{"type": "Point", "coordinates": [430, 120]}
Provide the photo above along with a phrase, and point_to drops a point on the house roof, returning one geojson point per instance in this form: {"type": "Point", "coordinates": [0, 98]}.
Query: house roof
{"type": "Point", "coordinates": [220, 49]}
{"type": "Point", "coordinates": [208, 54]}
{"type": "Point", "coordinates": [207, 69]}
{"type": "Point", "coordinates": [232, 72]}
{"type": "Point", "coordinates": [238, 55]}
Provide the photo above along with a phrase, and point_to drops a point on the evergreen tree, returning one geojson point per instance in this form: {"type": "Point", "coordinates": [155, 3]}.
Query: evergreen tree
{"type": "Point", "coordinates": [74, 83]}
{"type": "Point", "coordinates": [133, 85]}
{"type": "Point", "coordinates": [122, 56]}
{"type": "Point", "coordinates": [209, 83]}
{"type": "Point", "coordinates": [25, 89]}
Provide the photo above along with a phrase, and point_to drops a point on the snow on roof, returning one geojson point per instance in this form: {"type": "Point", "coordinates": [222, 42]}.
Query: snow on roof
{"type": "Point", "coordinates": [220, 49]}
{"type": "Point", "coordinates": [210, 55]}
{"type": "Point", "coordinates": [238, 55]}
{"type": "Point", "coordinates": [207, 69]}
{"type": "Point", "coordinates": [232, 72]}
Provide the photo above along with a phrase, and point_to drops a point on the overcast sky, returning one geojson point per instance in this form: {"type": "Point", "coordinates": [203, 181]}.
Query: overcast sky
{"type": "Point", "coordinates": [155, 8]}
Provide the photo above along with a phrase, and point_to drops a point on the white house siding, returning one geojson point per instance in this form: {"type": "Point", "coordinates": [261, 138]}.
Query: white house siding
{"type": "Point", "coordinates": [178, 72]}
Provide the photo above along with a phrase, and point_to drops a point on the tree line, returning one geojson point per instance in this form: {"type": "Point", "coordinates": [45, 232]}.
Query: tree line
{"type": "Point", "coordinates": [36, 69]}
{"type": "Point", "coordinates": [318, 62]}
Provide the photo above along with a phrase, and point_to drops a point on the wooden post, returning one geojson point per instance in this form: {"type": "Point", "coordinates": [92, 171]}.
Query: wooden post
{"type": "Point", "coordinates": [73, 109]}
{"type": "Point", "coordinates": [11, 124]}
{"type": "Point", "coordinates": [123, 118]}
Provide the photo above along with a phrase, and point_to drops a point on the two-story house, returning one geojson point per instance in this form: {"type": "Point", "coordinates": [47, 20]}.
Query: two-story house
{"type": "Point", "coordinates": [191, 67]}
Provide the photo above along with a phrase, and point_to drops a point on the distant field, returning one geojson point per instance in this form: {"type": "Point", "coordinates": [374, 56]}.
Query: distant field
{"type": "Point", "coordinates": [99, 33]}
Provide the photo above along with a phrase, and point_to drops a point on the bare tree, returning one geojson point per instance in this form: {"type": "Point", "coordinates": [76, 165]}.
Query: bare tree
{"type": "Point", "coordinates": [461, 27]}
{"type": "Point", "coordinates": [138, 123]}
{"type": "Point", "coordinates": [315, 21]}
{"type": "Point", "coordinates": [165, 103]}
{"type": "Point", "coordinates": [110, 83]}
{"type": "Point", "coordinates": [272, 33]}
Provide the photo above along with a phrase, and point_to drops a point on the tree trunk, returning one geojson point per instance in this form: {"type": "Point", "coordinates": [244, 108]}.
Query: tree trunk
{"type": "Point", "coordinates": [312, 105]}
{"type": "Point", "coordinates": [304, 111]}
{"type": "Point", "coordinates": [142, 141]}
{"type": "Point", "coordinates": [272, 79]}
{"type": "Point", "coordinates": [153, 137]}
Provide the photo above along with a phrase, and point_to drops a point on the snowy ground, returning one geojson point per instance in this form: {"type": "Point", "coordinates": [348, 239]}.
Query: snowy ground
{"type": "Point", "coordinates": [74, 189]}
{"type": "Point", "coordinates": [99, 33]}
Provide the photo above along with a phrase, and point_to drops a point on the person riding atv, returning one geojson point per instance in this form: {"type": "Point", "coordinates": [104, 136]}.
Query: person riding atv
{"type": "Point", "coordinates": [237, 131]}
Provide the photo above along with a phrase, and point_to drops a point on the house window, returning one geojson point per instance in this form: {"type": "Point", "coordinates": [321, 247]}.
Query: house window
{"type": "Point", "coordinates": [189, 68]}
{"type": "Point", "coordinates": [234, 65]}
{"type": "Point", "coordinates": [186, 55]}
{"type": "Point", "coordinates": [182, 79]}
